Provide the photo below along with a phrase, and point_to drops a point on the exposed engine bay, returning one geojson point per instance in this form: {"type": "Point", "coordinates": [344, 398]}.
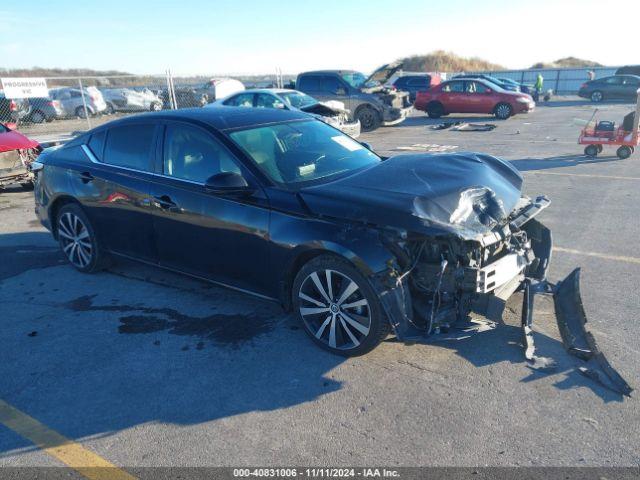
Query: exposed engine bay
{"type": "Point", "coordinates": [441, 282]}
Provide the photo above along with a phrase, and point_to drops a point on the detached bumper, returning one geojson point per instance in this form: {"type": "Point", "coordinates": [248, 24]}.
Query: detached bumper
{"type": "Point", "coordinates": [394, 116]}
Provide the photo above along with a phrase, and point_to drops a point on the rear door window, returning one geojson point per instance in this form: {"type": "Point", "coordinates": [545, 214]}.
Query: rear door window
{"type": "Point", "coordinates": [240, 100]}
{"type": "Point", "coordinates": [96, 144]}
{"type": "Point", "coordinates": [130, 146]}
{"type": "Point", "coordinates": [454, 87]}
{"type": "Point", "coordinates": [309, 83]}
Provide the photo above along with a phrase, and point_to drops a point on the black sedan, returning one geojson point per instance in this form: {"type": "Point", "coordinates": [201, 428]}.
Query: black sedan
{"type": "Point", "coordinates": [615, 87]}
{"type": "Point", "coordinates": [285, 207]}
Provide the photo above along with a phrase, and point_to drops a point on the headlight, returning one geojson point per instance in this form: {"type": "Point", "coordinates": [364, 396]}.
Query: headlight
{"type": "Point", "coordinates": [523, 100]}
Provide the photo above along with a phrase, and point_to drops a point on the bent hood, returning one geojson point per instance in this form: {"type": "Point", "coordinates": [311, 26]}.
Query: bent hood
{"type": "Point", "coordinates": [467, 194]}
{"type": "Point", "coordinates": [382, 74]}
{"type": "Point", "coordinates": [13, 140]}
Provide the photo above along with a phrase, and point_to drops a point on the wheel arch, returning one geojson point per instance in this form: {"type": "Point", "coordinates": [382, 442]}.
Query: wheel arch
{"type": "Point", "coordinates": [302, 254]}
{"type": "Point", "coordinates": [55, 207]}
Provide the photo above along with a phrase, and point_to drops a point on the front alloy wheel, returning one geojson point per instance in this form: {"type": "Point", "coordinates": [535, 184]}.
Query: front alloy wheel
{"type": "Point", "coordinates": [338, 308]}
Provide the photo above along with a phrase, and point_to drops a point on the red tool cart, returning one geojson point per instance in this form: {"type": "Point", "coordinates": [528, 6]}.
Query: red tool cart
{"type": "Point", "coordinates": [596, 134]}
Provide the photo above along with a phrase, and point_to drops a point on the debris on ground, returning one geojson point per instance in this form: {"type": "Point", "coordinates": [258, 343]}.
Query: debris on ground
{"type": "Point", "coordinates": [427, 147]}
{"type": "Point", "coordinates": [464, 126]}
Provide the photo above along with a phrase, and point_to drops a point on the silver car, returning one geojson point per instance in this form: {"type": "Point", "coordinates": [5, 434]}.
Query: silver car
{"type": "Point", "coordinates": [332, 112]}
{"type": "Point", "coordinates": [71, 102]}
{"type": "Point", "coordinates": [129, 100]}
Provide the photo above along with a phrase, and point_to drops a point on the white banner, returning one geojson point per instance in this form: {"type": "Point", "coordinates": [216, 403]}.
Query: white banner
{"type": "Point", "coordinates": [24, 87]}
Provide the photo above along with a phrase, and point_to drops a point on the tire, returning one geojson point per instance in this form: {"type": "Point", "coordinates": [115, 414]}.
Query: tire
{"type": "Point", "coordinates": [110, 110]}
{"type": "Point", "coordinates": [624, 152]}
{"type": "Point", "coordinates": [435, 110]}
{"type": "Point", "coordinates": [155, 107]}
{"type": "Point", "coordinates": [27, 185]}
{"type": "Point", "coordinates": [591, 150]}
{"type": "Point", "coordinates": [80, 113]}
{"type": "Point", "coordinates": [74, 228]}
{"type": "Point", "coordinates": [369, 118]}
{"type": "Point", "coordinates": [503, 111]}
{"type": "Point", "coordinates": [597, 96]}
{"type": "Point", "coordinates": [347, 326]}
{"type": "Point", "coordinates": [37, 117]}
{"type": "Point", "coordinates": [600, 148]}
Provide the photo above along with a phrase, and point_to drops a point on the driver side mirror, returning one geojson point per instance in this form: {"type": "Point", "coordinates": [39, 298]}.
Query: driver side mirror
{"type": "Point", "coordinates": [228, 183]}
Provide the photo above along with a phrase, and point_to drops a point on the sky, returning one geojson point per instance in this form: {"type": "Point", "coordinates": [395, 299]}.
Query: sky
{"type": "Point", "coordinates": [252, 37]}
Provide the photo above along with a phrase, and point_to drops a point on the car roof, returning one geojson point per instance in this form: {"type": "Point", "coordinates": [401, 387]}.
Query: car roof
{"type": "Point", "coordinates": [267, 90]}
{"type": "Point", "coordinates": [328, 71]}
{"type": "Point", "coordinates": [221, 118]}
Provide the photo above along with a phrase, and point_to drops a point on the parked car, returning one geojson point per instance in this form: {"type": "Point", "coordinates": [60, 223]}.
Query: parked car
{"type": "Point", "coordinates": [17, 152]}
{"type": "Point", "coordinates": [129, 100]}
{"type": "Point", "coordinates": [332, 113]}
{"type": "Point", "coordinates": [416, 82]}
{"type": "Point", "coordinates": [218, 88]}
{"type": "Point", "coordinates": [615, 87]}
{"type": "Point", "coordinates": [281, 205]}
{"type": "Point", "coordinates": [524, 88]}
{"type": "Point", "coordinates": [370, 102]}
{"type": "Point", "coordinates": [12, 110]}
{"type": "Point", "coordinates": [43, 109]}
{"type": "Point", "coordinates": [472, 96]}
{"type": "Point", "coordinates": [629, 70]}
{"type": "Point", "coordinates": [71, 102]}
{"type": "Point", "coordinates": [496, 81]}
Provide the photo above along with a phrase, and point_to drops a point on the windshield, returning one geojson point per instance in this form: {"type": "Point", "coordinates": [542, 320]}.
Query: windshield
{"type": "Point", "coordinates": [355, 79]}
{"type": "Point", "coordinates": [297, 99]}
{"type": "Point", "coordinates": [298, 152]}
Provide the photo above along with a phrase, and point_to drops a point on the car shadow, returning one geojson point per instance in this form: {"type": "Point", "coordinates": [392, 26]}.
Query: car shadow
{"type": "Point", "coordinates": [582, 102]}
{"type": "Point", "coordinates": [92, 355]}
{"type": "Point", "coordinates": [562, 161]}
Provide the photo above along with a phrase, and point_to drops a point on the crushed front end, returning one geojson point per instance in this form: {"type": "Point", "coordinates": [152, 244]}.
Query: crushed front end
{"type": "Point", "coordinates": [438, 283]}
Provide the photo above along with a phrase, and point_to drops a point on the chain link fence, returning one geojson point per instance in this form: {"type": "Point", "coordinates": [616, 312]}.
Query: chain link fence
{"type": "Point", "coordinates": [79, 103]}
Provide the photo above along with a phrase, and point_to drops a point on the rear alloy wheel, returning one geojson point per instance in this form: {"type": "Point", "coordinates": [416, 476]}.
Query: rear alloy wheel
{"type": "Point", "coordinates": [503, 111]}
{"type": "Point", "coordinates": [77, 239]}
{"type": "Point", "coordinates": [624, 152]}
{"type": "Point", "coordinates": [597, 96]}
{"type": "Point", "coordinates": [156, 107]}
{"type": "Point", "coordinates": [591, 150]}
{"type": "Point", "coordinates": [369, 119]}
{"type": "Point", "coordinates": [338, 307]}
{"type": "Point", "coordinates": [38, 117]}
{"type": "Point", "coordinates": [81, 113]}
{"type": "Point", "coordinates": [435, 110]}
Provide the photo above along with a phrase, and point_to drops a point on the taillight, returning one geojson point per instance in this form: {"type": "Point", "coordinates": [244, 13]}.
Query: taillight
{"type": "Point", "coordinates": [51, 104]}
{"type": "Point", "coordinates": [13, 106]}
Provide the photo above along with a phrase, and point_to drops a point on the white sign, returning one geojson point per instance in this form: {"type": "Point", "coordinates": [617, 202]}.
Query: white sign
{"type": "Point", "coordinates": [24, 87]}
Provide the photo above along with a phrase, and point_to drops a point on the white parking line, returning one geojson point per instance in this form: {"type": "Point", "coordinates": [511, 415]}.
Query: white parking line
{"type": "Point", "coordinates": [617, 258]}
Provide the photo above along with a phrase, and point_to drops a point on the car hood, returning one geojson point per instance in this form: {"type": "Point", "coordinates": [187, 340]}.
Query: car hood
{"type": "Point", "coordinates": [384, 73]}
{"type": "Point", "coordinates": [15, 141]}
{"type": "Point", "coordinates": [467, 194]}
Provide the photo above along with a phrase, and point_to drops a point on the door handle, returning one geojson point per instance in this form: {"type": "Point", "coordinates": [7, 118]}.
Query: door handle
{"type": "Point", "coordinates": [164, 202]}
{"type": "Point", "coordinates": [86, 177]}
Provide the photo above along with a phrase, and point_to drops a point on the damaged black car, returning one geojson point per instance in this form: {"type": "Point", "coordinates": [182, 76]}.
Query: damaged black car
{"type": "Point", "coordinates": [286, 207]}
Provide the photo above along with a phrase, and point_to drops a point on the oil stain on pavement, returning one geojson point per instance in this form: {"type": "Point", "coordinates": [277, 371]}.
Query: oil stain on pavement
{"type": "Point", "coordinates": [225, 329]}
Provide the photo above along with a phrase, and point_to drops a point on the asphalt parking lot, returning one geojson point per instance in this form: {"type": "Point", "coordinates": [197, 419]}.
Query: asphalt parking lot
{"type": "Point", "coordinates": [146, 368]}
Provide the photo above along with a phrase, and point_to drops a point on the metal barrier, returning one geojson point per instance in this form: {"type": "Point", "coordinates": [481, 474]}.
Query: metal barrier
{"type": "Point", "coordinates": [563, 81]}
